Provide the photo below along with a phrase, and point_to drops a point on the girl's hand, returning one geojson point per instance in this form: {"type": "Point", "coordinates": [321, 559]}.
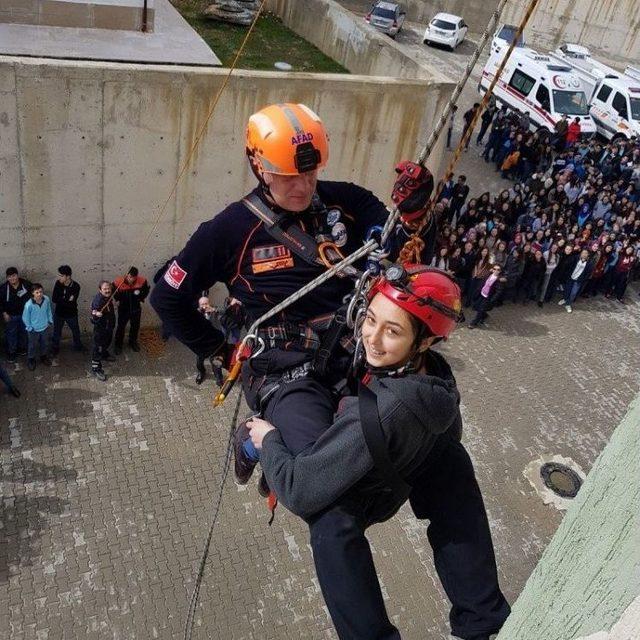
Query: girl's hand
{"type": "Point", "coordinates": [259, 429]}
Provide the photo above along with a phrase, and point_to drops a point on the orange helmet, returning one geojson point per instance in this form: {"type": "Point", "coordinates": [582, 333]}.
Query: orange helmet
{"type": "Point", "coordinates": [287, 139]}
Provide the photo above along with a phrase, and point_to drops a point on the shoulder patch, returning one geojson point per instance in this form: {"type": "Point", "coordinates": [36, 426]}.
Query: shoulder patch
{"type": "Point", "coordinates": [174, 276]}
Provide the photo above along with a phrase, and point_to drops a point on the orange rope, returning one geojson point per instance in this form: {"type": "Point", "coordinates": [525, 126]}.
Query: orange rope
{"type": "Point", "coordinates": [412, 249]}
{"type": "Point", "coordinates": [196, 142]}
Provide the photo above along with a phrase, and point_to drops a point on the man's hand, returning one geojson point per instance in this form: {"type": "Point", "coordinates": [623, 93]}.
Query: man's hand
{"type": "Point", "coordinates": [412, 190]}
{"type": "Point", "coordinates": [259, 429]}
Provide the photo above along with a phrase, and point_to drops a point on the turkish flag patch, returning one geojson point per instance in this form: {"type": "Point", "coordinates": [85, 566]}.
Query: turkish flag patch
{"type": "Point", "coordinates": [174, 276]}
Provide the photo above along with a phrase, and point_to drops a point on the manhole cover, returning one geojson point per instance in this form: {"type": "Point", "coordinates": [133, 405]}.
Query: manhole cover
{"type": "Point", "coordinates": [562, 480]}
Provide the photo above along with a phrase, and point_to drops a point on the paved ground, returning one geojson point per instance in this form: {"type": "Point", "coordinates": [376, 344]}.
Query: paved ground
{"type": "Point", "coordinates": [106, 488]}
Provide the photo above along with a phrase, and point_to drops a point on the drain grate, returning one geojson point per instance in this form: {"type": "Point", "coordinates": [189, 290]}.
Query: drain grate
{"type": "Point", "coordinates": [561, 479]}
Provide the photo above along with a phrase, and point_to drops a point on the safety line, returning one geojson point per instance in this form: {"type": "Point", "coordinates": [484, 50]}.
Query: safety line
{"type": "Point", "coordinates": [413, 246]}
{"type": "Point", "coordinates": [193, 603]}
{"type": "Point", "coordinates": [196, 142]}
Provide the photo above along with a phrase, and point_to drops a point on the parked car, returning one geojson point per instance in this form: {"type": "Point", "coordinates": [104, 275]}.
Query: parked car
{"type": "Point", "coordinates": [506, 33]}
{"type": "Point", "coordinates": [446, 29]}
{"type": "Point", "coordinates": [387, 17]}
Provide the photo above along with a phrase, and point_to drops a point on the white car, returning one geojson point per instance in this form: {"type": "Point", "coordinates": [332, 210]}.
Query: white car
{"type": "Point", "coordinates": [445, 29]}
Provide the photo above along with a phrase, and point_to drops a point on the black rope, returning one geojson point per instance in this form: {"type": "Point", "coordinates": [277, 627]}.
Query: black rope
{"type": "Point", "coordinates": [188, 627]}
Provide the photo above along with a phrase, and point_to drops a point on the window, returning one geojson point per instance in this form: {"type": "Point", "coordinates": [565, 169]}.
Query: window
{"type": "Point", "coordinates": [604, 93]}
{"type": "Point", "coordinates": [573, 103]}
{"type": "Point", "coordinates": [443, 24]}
{"type": "Point", "coordinates": [542, 96]}
{"type": "Point", "coordinates": [620, 105]}
{"type": "Point", "coordinates": [635, 108]}
{"type": "Point", "coordinates": [521, 82]}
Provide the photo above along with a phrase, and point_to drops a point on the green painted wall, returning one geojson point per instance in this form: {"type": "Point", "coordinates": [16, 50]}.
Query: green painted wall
{"type": "Point", "coordinates": [590, 572]}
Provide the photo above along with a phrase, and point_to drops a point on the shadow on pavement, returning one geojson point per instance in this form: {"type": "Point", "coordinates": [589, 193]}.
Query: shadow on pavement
{"type": "Point", "coordinates": [23, 518]}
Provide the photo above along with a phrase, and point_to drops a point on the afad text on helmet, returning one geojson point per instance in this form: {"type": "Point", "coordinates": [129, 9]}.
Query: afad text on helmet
{"type": "Point", "coordinates": [301, 137]}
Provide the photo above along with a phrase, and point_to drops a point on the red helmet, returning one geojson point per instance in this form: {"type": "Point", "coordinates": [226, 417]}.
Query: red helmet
{"type": "Point", "coordinates": [429, 294]}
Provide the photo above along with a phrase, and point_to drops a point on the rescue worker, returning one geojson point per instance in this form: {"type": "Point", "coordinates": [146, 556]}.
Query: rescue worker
{"type": "Point", "coordinates": [103, 318]}
{"type": "Point", "coordinates": [343, 484]}
{"type": "Point", "coordinates": [130, 292]}
{"type": "Point", "coordinates": [267, 247]}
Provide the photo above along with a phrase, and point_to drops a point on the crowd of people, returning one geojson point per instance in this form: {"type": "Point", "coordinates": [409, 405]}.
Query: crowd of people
{"type": "Point", "coordinates": [33, 321]}
{"type": "Point", "coordinates": [567, 227]}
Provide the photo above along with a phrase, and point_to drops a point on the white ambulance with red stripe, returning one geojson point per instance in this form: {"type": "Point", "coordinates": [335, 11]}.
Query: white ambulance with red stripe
{"type": "Point", "coordinates": [544, 87]}
{"type": "Point", "coordinates": [614, 96]}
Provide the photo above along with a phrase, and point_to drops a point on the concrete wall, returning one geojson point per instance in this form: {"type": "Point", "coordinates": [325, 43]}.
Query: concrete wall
{"type": "Point", "coordinates": [348, 39]}
{"type": "Point", "coordinates": [91, 150]}
{"type": "Point", "coordinates": [587, 584]}
{"type": "Point", "coordinates": [98, 14]}
{"type": "Point", "coordinates": [611, 28]}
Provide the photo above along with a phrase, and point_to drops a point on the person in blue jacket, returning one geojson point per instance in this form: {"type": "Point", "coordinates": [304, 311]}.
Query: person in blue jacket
{"type": "Point", "coordinates": [37, 317]}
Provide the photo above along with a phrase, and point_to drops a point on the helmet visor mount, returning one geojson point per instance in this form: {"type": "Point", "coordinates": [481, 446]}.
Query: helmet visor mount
{"type": "Point", "coordinates": [398, 277]}
{"type": "Point", "coordinates": [307, 158]}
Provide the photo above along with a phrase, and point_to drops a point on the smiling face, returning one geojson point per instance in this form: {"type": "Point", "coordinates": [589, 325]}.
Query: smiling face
{"type": "Point", "coordinates": [105, 289]}
{"type": "Point", "coordinates": [388, 334]}
{"type": "Point", "coordinates": [292, 193]}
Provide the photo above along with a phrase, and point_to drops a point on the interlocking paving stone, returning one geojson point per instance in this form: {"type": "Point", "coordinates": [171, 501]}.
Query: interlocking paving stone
{"type": "Point", "coordinates": [107, 489]}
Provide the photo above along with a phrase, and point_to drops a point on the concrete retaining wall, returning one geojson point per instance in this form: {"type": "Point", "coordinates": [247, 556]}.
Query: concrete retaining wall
{"type": "Point", "coordinates": [587, 584]}
{"type": "Point", "coordinates": [98, 14]}
{"type": "Point", "coordinates": [611, 28]}
{"type": "Point", "coordinates": [348, 39]}
{"type": "Point", "coordinates": [91, 150]}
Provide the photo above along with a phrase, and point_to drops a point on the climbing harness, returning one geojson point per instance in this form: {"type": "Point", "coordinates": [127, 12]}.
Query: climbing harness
{"type": "Point", "coordinates": [328, 253]}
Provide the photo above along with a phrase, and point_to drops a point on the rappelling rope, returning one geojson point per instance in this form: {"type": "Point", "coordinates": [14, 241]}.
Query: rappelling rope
{"type": "Point", "coordinates": [366, 249]}
{"type": "Point", "coordinates": [200, 134]}
{"type": "Point", "coordinates": [413, 247]}
{"type": "Point", "coordinates": [371, 245]}
{"type": "Point", "coordinates": [193, 603]}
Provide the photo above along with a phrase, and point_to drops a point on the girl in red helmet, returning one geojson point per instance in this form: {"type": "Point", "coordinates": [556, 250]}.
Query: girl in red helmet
{"type": "Point", "coordinates": [343, 483]}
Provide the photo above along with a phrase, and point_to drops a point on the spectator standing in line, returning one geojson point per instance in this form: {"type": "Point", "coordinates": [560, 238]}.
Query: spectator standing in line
{"type": "Point", "coordinates": [551, 259]}
{"type": "Point", "coordinates": [579, 275]}
{"type": "Point", "coordinates": [459, 195]}
{"type": "Point", "coordinates": [481, 271]}
{"type": "Point", "coordinates": [130, 292]}
{"type": "Point", "coordinates": [573, 132]}
{"type": "Point", "coordinates": [626, 262]}
{"type": "Point", "coordinates": [532, 276]}
{"type": "Point", "coordinates": [103, 318]}
{"type": "Point", "coordinates": [485, 121]}
{"type": "Point", "coordinates": [14, 295]}
{"type": "Point", "coordinates": [560, 133]}
{"type": "Point", "coordinates": [8, 382]}
{"type": "Point", "coordinates": [468, 119]}
{"type": "Point", "coordinates": [65, 298]}
{"type": "Point", "coordinates": [513, 269]}
{"type": "Point", "coordinates": [452, 118]}
{"type": "Point", "coordinates": [37, 317]}
{"type": "Point", "coordinates": [524, 122]}
{"type": "Point", "coordinates": [489, 294]}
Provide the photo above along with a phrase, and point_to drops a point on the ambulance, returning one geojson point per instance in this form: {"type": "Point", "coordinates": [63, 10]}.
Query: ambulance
{"type": "Point", "coordinates": [614, 96]}
{"type": "Point", "coordinates": [545, 88]}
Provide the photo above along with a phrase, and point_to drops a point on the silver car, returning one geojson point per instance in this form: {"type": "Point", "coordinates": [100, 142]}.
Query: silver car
{"type": "Point", "coordinates": [387, 17]}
